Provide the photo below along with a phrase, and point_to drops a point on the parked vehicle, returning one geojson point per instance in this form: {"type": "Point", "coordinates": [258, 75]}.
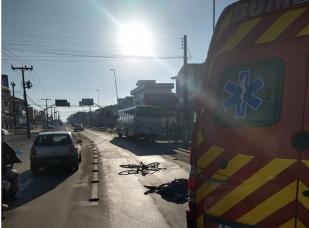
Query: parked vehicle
{"type": "Point", "coordinates": [78, 127]}
{"type": "Point", "coordinates": [140, 121]}
{"type": "Point", "coordinates": [250, 144]}
{"type": "Point", "coordinates": [5, 132]}
{"type": "Point", "coordinates": [58, 148]}
{"type": "Point", "coordinates": [48, 127]}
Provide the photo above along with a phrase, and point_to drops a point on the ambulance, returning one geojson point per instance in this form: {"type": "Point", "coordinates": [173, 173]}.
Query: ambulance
{"type": "Point", "coordinates": [250, 142]}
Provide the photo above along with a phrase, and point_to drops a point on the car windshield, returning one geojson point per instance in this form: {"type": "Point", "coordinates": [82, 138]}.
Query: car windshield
{"type": "Point", "coordinates": [52, 140]}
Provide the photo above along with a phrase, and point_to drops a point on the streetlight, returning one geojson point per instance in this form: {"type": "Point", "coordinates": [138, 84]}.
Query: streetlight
{"type": "Point", "coordinates": [115, 86]}
{"type": "Point", "coordinates": [98, 97]}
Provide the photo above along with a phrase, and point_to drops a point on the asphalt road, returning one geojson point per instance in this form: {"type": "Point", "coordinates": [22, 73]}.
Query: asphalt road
{"type": "Point", "coordinates": [97, 195]}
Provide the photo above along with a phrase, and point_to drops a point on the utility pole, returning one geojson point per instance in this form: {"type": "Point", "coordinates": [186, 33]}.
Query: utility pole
{"type": "Point", "coordinates": [23, 69]}
{"type": "Point", "coordinates": [14, 110]}
{"type": "Point", "coordinates": [98, 97]}
{"type": "Point", "coordinates": [185, 94]}
{"type": "Point", "coordinates": [116, 87]}
{"type": "Point", "coordinates": [46, 113]}
{"type": "Point", "coordinates": [54, 117]}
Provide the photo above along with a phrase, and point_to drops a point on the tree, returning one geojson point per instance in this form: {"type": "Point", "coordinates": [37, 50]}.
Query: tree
{"type": "Point", "coordinates": [168, 109]}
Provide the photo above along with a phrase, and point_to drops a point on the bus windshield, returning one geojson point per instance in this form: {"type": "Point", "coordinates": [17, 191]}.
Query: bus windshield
{"type": "Point", "coordinates": [148, 112]}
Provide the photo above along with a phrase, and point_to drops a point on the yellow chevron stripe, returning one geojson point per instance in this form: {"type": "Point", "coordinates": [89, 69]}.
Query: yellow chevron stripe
{"type": "Point", "coordinates": [199, 138]}
{"type": "Point", "coordinates": [306, 162]}
{"type": "Point", "coordinates": [260, 178]}
{"type": "Point", "coordinates": [209, 156]}
{"type": "Point", "coordinates": [291, 223]}
{"type": "Point", "coordinates": [288, 224]}
{"type": "Point", "coordinates": [304, 32]}
{"type": "Point", "coordinates": [225, 24]}
{"type": "Point", "coordinates": [300, 225]}
{"type": "Point", "coordinates": [304, 200]}
{"type": "Point", "coordinates": [234, 165]}
{"type": "Point", "coordinates": [280, 25]}
{"type": "Point", "coordinates": [271, 205]}
{"type": "Point", "coordinates": [200, 222]}
{"type": "Point", "coordinates": [235, 39]}
{"type": "Point", "coordinates": [239, 35]}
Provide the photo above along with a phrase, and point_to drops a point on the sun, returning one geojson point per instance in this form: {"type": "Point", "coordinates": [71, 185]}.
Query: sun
{"type": "Point", "coordinates": [136, 39]}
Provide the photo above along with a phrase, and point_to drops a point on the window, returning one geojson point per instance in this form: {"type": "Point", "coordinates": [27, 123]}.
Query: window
{"type": "Point", "coordinates": [53, 140]}
{"type": "Point", "coordinates": [148, 112]}
{"type": "Point", "coordinates": [250, 94]}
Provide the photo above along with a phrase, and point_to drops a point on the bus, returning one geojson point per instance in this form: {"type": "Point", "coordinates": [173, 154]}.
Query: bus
{"type": "Point", "coordinates": [143, 121]}
{"type": "Point", "coordinates": [249, 154]}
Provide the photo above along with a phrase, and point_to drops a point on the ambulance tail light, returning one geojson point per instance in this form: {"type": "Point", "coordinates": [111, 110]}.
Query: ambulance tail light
{"type": "Point", "coordinates": [191, 188]}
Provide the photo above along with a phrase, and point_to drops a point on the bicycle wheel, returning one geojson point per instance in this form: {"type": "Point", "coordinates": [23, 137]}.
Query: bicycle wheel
{"type": "Point", "coordinates": [128, 172]}
{"type": "Point", "coordinates": [152, 166]}
{"type": "Point", "coordinates": [129, 166]}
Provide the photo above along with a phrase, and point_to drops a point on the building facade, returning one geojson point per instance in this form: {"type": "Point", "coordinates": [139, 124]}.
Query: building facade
{"type": "Point", "coordinates": [149, 92]}
{"type": "Point", "coordinates": [194, 75]}
{"type": "Point", "coordinates": [11, 104]}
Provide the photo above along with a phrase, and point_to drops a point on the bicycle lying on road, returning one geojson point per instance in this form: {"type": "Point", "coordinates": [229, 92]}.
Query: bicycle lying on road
{"type": "Point", "coordinates": [143, 168]}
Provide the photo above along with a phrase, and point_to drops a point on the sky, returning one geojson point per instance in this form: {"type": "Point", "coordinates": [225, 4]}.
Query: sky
{"type": "Point", "coordinates": [72, 46]}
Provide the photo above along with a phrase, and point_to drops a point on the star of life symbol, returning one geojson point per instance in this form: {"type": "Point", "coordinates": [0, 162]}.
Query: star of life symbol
{"type": "Point", "coordinates": [242, 94]}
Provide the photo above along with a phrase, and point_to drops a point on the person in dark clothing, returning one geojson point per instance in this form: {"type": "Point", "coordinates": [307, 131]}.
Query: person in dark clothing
{"type": "Point", "coordinates": [8, 172]}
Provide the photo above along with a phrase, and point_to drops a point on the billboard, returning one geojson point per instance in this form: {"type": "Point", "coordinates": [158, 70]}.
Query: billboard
{"type": "Point", "coordinates": [87, 101]}
{"type": "Point", "coordinates": [61, 102]}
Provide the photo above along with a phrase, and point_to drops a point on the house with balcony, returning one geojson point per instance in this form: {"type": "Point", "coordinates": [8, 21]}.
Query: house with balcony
{"type": "Point", "coordinates": [13, 110]}
{"type": "Point", "coordinates": [7, 109]}
{"type": "Point", "coordinates": [149, 92]}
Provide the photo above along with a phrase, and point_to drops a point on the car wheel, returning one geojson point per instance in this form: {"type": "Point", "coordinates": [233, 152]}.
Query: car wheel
{"type": "Point", "coordinates": [34, 169]}
{"type": "Point", "coordinates": [80, 159]}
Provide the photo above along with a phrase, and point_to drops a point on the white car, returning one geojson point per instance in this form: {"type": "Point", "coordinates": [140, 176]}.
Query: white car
{"type": "Point", "coordinates": [58, 148]}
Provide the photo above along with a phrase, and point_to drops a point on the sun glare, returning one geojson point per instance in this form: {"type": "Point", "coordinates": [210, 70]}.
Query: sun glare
{"type": "Point", "coordinates": [136, 39]}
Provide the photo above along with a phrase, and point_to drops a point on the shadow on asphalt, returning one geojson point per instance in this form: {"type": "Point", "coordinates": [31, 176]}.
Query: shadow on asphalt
{"type": "Point", "coordinates": [42, 182]}
{"type": "Point", "coordinates": [142, 147]}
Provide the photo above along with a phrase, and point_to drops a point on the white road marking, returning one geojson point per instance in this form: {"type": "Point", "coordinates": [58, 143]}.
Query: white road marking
{"type": "Point", "coordinates": [94, 187]}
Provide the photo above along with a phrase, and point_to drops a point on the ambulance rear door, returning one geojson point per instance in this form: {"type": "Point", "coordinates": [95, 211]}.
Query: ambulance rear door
{"type": "Point", "coordinates": [300, 143]}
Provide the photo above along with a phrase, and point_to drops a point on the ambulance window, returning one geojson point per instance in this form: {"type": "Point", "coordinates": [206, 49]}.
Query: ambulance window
{"type": "Point", "coordinates": [250, 94]}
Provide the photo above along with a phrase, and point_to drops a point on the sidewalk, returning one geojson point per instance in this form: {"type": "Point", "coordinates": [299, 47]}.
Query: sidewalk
{"type": "Point", "coordinates": [21, 134]}
{"type": "Point", "coordinates": [168, 141]}
{"type": "Point", "coordinates": [164, 139]}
